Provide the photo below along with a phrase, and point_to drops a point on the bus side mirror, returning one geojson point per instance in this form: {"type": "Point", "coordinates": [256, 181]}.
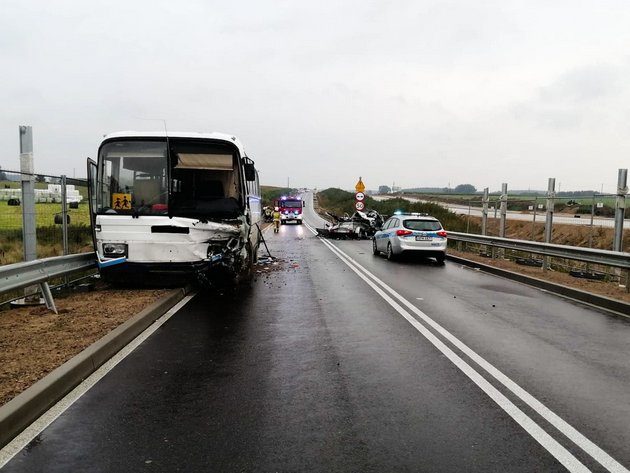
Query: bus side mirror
{"type": "Point", "coordinates": [250, 172]}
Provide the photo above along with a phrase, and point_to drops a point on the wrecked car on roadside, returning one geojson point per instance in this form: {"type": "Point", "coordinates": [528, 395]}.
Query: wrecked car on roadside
{"type": "Point", "coordinates": [360, 225]}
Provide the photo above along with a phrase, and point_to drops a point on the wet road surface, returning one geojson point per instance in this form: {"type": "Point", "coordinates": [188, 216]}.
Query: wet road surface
{"type": "Point", "coordinates": [312, 369]}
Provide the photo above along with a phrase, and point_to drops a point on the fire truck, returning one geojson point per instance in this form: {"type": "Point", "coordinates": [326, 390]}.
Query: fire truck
{"type": "Point", "coordinates": [290, 209]}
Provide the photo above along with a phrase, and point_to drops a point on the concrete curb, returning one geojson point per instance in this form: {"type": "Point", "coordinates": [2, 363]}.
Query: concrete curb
{"type": "Point", "coordinates": [22, 410]}
{"type": "Point", "coordinates": [600, 302]}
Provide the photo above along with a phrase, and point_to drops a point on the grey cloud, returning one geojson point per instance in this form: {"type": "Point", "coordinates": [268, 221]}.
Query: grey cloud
{"type": "Point", "coordinates": [585, 84]}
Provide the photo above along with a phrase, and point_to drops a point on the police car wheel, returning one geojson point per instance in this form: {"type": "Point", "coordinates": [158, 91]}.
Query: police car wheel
{"type": "Point", "coordinates": [390, 252]}
{"type": "Point", "coordinates": [374, 249]}
{"type": "Point", "coordinates": [440, 259]}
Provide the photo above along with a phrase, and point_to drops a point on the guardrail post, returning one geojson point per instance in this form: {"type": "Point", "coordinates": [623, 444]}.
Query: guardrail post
{"type": "Point", "coordinates": [29, 236]}
{"type": "Point", "coordinates": [484, 212]}
{"type": "Point", "coordinates": [551, 194]}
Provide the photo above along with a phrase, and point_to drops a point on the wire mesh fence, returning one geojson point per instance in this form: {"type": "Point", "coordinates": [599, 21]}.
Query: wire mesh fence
{"type": "Point", "coordinates": [48, 216]}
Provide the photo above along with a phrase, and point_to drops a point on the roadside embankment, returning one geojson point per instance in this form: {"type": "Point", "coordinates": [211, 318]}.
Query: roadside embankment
{"type": "Point", "coordinates": [35, 341]}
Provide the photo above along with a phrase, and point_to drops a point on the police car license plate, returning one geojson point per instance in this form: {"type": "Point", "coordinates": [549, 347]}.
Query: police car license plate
{"type": "Point", "coordinates": [423, 238]}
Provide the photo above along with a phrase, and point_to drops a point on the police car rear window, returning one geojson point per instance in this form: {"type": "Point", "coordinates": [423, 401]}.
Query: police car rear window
{"type": "Point", "coordinates": [422, 225]}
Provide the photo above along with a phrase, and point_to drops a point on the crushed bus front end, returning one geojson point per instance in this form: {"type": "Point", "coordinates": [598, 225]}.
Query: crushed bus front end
{"type": "Point", "coordinates": [170, 210]}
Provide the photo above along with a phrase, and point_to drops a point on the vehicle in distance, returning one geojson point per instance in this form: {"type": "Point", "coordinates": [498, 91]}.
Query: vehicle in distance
{"type": "Point", "coordinates": [290, 209]}
{"type": "Point", "coordinates": [411, 233]}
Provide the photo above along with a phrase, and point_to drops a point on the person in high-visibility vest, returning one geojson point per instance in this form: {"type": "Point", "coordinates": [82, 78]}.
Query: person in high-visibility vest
{"type": "Point", "coordinates": [276, 220]}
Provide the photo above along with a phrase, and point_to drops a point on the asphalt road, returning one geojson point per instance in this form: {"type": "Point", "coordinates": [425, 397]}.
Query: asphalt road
{"type": "Point", "coordinates": [342, 361]}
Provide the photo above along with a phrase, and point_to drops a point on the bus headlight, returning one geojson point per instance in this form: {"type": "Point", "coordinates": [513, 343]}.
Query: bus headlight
{"type": "Point", "coordinates": [114, 250]}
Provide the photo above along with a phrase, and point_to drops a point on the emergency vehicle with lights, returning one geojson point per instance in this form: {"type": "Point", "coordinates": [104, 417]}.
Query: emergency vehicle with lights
{"type": "Point", "coordinates": [290, 209]}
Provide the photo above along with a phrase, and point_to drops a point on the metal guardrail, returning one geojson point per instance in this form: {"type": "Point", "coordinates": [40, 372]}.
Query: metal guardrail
{"type": "Point", "coordinates": [31, 273]}
{"type": "Point", "coordinates": [588, 255]}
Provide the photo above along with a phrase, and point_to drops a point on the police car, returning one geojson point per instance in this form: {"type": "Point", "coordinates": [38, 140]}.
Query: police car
{"type": "Point", "coordinates": [411, 233]}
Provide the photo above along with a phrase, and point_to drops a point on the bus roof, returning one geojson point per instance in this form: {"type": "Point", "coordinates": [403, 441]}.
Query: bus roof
{"type": "Point", "coordinates": [178, 134]}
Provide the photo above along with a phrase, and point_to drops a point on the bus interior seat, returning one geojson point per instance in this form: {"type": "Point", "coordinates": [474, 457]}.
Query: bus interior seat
{"type": "Point", "coordinates": [147, 192]}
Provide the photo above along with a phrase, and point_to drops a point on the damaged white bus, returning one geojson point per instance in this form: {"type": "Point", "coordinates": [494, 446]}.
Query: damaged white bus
{"type": "Point", "coordinates": [168, 208]}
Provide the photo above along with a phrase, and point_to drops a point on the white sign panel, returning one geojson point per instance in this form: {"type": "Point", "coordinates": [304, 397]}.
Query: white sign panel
{"type": "Point", "coordinates": [600, 205]}
{"type": "Point", "coordinates": [360, 196]}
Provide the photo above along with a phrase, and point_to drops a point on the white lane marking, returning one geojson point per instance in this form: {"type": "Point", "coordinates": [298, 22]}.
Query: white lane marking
{"type": "Point", "coordinates": [541, 436]}
{"type": "Point", "coordinates": [419, 299]}
{"type": "Point", "coordinates": [22, 440]}
{"type": "Point", "coordinates": [312, 230]}
{"type": "Point", "coordinates": [569, 431]}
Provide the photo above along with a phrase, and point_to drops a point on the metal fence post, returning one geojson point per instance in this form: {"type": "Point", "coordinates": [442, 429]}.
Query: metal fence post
{"type": "Point", "coordinates": [590, 232]}
{"type": "Point", "coordinates": [534, 218]}
{"type": "Point", "coordinates": [484, 212]}
{"type": "Point", "coordinates": [29, 226]}
{"type": "Point", "coordinates": [64, 215]}
{"type": "Point", "coordinates": [620, 208]}
{"type": "Point", "coordinates": [551, 193]}
{"type": "Point", "coordinates": [29, 236]}
{"type": "Point", "coordinates": [468, 218]}
{"type": "Point", "coordinates": [504, 198]}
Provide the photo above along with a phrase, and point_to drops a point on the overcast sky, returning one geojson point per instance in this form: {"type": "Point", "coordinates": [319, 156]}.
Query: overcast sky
{"type": "Point", "coordinates": [423, 93]}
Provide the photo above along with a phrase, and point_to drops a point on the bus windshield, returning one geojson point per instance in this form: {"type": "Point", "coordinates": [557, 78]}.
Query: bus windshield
{"type": "Point", "coordinates": [134, 178]}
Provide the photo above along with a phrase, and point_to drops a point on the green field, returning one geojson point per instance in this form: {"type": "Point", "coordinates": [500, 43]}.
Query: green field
{"type": "Point", "coordinates": [11, 216]}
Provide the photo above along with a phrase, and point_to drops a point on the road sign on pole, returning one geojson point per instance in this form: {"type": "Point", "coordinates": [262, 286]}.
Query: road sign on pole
{"type": "Point", "coordinates": [359, 187]}
{"type": "Point", "coordinates": [359, 197]}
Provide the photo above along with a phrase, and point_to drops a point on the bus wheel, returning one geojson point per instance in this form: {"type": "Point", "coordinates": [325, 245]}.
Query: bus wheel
{"type": "Point", "coordinates": [246, 271]}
